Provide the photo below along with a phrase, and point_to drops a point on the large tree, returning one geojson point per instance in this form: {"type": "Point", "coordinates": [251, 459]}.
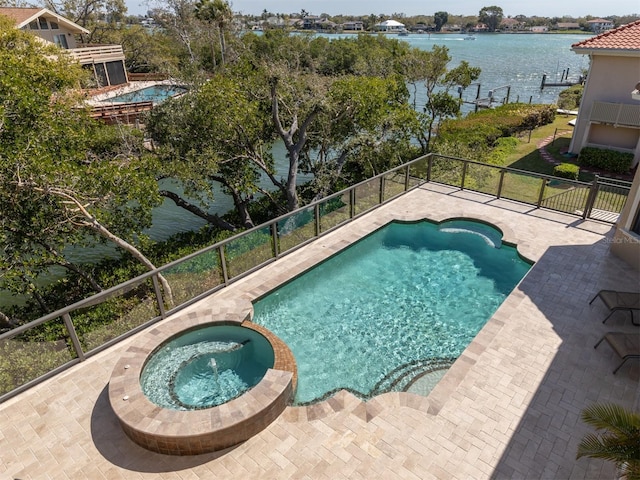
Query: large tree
{"type": "Point", "coordinates": [440, 19]}
{"type": "Point", "coordinates": [217, 133]}
{"type": "Point", "coordinates": [328, 102]}
{"type": "Point", "coordinates": [439, 81]}
{"type": "Point", "coordinates": [64, 179]}
{"type": "Point", "coordinates": [491, 17]}
{"type": "Point", "coordinates": [217, 14]}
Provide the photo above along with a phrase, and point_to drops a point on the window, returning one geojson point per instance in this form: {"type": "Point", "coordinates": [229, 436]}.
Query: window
{"type": "Point", "coordinates": [54, 25]}
{"type": "Point", "coordinates": [101, 75]}
{"type": "Point", "coordinates": [116, 73]}
{"type": "Point", "coordinates": [43, 23]}
{"type": "Point", "coordinates": [34, 25]}
{"type": "Point", "coordinates": [61, 41]}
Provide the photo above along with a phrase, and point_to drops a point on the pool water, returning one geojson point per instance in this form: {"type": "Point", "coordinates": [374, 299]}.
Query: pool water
{"type": "Point", "coordinates": [404, 301]}
{"type": "Point", "coordinates": [155, 94]}
{"type": "Point", "coordinates": [206, 367]}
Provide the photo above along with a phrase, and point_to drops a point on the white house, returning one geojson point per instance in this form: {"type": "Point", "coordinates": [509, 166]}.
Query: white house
{"type": "Point", "coordinates": [599, 25]}
{"type": "Point", "coordinates": [106, 62]}
{"type": "Point", "coordinates": [390, 26]}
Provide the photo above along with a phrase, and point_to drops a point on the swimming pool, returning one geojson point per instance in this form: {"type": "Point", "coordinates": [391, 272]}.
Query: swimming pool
{"type": "Point", "coordinates": [403, 301]}
{"type": "Point", "coordinates": [156, 94]}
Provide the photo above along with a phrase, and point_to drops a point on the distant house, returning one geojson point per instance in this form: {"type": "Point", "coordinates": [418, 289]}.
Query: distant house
{"type": "Point", "coordinates": [609, 117]}
{"type": "Point", "coordinates": [511, 24]}
{"type": "Point", "coordinates": [276, 22]}
{"type": "Point", "coordinates": [454, 27]}
{"type": "Point", "coordinates": [568, 26]}
{"type": "Point", "coordinates": [599, 25]}
{"type": "Point", "coordinates": [106, 62]}
{"type": "Point", "coordinates": [480, 27]}
{"type": "Point", "coordinates": [355, 26]}
{"type": "Point", "coordinates": [390, 26]}
{"type": "Point", "coordinates": [309, 22]}
{"type": "Point", "coordinates": [325, 24]}
{"type": "Point", "coordinates": [539, 29]}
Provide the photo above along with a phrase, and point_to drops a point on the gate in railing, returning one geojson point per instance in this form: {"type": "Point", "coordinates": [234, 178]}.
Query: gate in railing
{"type": "Point", "coordinates": [31, 353]}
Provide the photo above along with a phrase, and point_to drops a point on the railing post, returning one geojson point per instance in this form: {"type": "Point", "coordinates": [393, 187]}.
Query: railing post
{"type": "Point", "coordinates": [541, 196]}
{"type": "Point", "coordinates": [159, 298]}
{"type": "Point", "coordinates": [274, 239]}
{"type": "Point", "coordinates": [406, 179]}
{"type": "Point", "coordinates": [381, 197]}
{"type": "Point", "coordinates": [591, 198]}
{"type": "Point", "coordinates": [74, 336]}
{"type": "Point", "coordinates": [316, 214]}
{"type": "Point", "coordinates": [352, 202]}
{"type": "Point", "coordinates": [464, 174]}
{"type": "Point", "coordinates": [223, 264]}
{"type": "Point", "coordinates": [500, 183]}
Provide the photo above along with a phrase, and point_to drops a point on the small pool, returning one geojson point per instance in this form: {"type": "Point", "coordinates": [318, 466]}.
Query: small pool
{"type": "Point", "coordinates": [206, 367]}
{"type": "Point", "coordinates": [401, 303]}
{"type": "Point", "coordinates": [155, 94]}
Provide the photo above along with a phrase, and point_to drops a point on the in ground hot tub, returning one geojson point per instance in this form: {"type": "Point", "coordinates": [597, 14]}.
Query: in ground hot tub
{"type": "Point", "coordinates": [204, 388]}
{"type": "Point", "coordinates": [206, 367]}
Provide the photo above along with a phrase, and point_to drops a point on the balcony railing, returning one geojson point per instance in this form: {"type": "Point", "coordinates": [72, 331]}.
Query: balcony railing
{"type": "Point", "coordinates": [97, 53]}
{"type": "Point", "coordinates": [618, 114]}
{"type": "Point", "coordinates": [30, 353]}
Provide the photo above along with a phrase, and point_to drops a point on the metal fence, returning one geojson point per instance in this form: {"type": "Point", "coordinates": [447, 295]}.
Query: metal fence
{"type": "Point", "coordinates": [29, 356]}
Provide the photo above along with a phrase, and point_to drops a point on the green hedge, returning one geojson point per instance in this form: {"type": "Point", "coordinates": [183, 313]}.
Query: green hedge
{"type": "Point", "coordinates": [485, 127]}
{"type": "Point", "coordinates": [608, 160]}
{"type": "Point", "coordinates": [566, 170]}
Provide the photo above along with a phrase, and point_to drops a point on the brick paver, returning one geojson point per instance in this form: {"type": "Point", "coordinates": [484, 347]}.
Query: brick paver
{"type": "Point", "coordinates": [508, 408]}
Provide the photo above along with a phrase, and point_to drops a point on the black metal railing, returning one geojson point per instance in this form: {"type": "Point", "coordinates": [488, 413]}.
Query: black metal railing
{"type": "Point", "coordinates": [28, 356]}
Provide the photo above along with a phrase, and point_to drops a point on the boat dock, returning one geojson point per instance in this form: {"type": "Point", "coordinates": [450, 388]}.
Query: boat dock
{"type": "Point", "coordinates": [564, 81]}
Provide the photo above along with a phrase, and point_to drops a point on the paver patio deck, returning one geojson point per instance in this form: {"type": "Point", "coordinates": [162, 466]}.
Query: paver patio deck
{"type": "Point", "coordinates": [508, 408]}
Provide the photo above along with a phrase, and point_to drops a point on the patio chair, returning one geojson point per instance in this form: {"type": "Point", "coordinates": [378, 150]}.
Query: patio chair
{"type": "Point", "coordinates": [615, 300]}
{"type": "Point", "coordinates": [626, 345]}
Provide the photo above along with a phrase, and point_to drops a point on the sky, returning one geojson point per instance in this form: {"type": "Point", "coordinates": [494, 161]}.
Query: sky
{"type": "Point", "coordinates": [542, 8]}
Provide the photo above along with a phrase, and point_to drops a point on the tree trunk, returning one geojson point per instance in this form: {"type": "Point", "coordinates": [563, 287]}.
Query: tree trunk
{"type": "Point", "coordinates": [212, 219]}
{"type": "Point", "coordinates": [242, 208]}
{"type": "Point", "coordinates": [69, 200]}
{"type": "Point", "coordinates": [7, 323]}
{"type": "Point", "coordinates": [137, 254]}
{"type": "Point", "coordinates": [294, 147]}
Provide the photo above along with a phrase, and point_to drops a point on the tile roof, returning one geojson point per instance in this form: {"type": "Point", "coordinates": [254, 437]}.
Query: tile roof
{"type": "Point", "coordinates": [19, 15]}
{"type": "Point", "coordinates": [626, 37]}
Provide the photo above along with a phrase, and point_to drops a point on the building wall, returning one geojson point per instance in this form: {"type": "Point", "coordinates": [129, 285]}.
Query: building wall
{"type": "Point", "coordinates": [610, 79]}
{"type": "Point", "coordinates": [626, 243]}
{"type": "Point", "coordinates": [49, 35]}
{"type": "Point", "coordinates": [622, 138]}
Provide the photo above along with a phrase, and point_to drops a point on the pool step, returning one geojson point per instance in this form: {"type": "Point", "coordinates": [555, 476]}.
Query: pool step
{"type": "Point", "coordinates": [402, 377]}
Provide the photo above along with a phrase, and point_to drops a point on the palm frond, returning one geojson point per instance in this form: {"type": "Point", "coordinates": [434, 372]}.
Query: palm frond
{"type": "Point", "coordinates": [613, 418]}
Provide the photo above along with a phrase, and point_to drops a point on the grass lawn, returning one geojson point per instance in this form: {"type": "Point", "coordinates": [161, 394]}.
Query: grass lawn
{"type": "Point", "coordinates": [527, 156]}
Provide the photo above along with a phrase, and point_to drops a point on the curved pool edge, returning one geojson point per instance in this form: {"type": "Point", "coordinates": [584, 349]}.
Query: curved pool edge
{"type": "Point", "coordinates": [194, 432]}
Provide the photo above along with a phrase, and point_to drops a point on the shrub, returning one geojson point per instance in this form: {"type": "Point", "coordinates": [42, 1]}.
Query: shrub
{"type": "Point", "coordinates": [608, 160]}
{"type": "Point", "coordinates": [505, 146]}
{"type": "Point", "coordinates": [566, 170]}
{"type": "Point", "coordinates": [570, 98]}
{"type": "Point", "coordinates": [485, 127]}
